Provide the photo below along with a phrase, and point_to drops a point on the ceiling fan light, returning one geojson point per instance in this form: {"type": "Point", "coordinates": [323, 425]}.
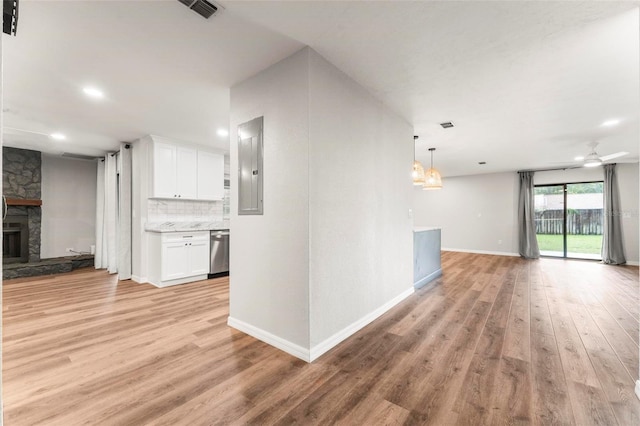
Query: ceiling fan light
{"type": "Point", "coordinates": [592, 160]}
{"type": "Point", "coordinates": [418, 173]}
{"type": "Point", "coordinates": [592, 163]}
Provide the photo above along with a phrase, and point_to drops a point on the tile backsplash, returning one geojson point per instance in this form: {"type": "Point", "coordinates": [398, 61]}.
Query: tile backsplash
{"type": "Point", "coordinates": [185, 211]}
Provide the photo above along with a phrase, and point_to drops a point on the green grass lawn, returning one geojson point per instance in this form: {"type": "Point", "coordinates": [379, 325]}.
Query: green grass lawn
{"type": "Point", "coordinates": [589, 244]}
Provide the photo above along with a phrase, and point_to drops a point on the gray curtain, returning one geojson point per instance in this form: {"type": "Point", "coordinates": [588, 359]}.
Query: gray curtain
{"type": "Point", "coordinates": [124, 213]}
{"type": "Point", "coordinates": [612, 248]}
{"type": "Point", "coordinates": [528, 243]}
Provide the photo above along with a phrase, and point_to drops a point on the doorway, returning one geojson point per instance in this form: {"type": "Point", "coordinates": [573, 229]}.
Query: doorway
{"type": "Point", "coordinates": [569, 219]}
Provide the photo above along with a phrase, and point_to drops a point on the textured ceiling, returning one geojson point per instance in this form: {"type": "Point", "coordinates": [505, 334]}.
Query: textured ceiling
{"type": "Point", "coordinates": [164, 69]}
{"type": "Point", "coordinates": [527, 84]}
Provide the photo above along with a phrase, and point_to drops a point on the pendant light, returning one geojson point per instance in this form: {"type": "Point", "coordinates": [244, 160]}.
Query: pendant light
{"type": "Point", "coordinates": [433, 180]}
{"type": "Point", "coordinates": [418, 171]}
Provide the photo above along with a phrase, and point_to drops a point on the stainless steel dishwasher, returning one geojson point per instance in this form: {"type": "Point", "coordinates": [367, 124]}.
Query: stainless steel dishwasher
{"type": "Point", "coordinates": [219, 246]}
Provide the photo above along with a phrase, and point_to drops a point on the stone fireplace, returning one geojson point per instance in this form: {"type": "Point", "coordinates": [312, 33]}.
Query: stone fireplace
{"type": "Point", "coordinates": [22, 187]}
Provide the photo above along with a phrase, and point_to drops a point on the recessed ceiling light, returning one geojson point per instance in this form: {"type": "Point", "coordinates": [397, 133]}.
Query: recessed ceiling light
{"type": "Point", "coordinates": [58, 136]}
{"type": "Point", "coordinates": [92, 92]}
{"type": "Point", "coordinates": [610, 123]}
{"type": "Point", "coordinates": [222, 132]}
{"type": "Point", "coordinates": [579, 158]}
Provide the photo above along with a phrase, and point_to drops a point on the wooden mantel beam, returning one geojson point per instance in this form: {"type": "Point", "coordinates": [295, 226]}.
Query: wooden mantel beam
{"type": "Point", "coordinates": [23, 202]}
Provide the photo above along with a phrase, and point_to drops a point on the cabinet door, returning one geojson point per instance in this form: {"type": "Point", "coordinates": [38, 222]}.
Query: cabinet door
{"type": "Point", "coordinates": [210, 176]}
{"type": "Point", "coordinates": [164, 170]}
{"type": "Point", "coordinates": [186, 172]}
{"type": "Point", "coordinates": [199, 257]}
{"type": "Point", "coordinates": [175, 260]}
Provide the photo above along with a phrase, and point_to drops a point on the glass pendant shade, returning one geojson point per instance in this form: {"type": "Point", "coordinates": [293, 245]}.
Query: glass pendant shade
{"type": "Point", "coordinates": [432, 177]}
{"type": "Point", "coordinates": [418, 173]}
{"type": "Point", "coordinates": [433, 180]}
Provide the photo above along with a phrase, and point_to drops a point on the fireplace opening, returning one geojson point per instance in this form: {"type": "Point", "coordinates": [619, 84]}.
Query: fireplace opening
{"type": "Point", "coordinates": [15, 239]}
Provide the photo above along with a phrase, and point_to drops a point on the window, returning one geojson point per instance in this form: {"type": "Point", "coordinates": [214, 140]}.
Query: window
{"type": "Point", "coordinates": [569, 219]}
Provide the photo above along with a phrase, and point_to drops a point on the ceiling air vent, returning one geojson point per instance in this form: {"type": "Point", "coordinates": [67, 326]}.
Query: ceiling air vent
{"type": "Point", "coordinates": [79, 156]}
{"type": "Point", "coordinates": [446, 125]}
{"type": "Point", "coordinates": [201, 7]}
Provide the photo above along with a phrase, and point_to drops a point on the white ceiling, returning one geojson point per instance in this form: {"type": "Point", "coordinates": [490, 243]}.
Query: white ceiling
{"type": "Point", "coordinates": [527, 84]}
{"type": "Point", "coordinates": [165, 71]}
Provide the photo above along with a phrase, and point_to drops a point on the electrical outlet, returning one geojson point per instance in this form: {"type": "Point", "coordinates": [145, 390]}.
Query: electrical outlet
{"type": "Point", "coordinates": [69, 250]}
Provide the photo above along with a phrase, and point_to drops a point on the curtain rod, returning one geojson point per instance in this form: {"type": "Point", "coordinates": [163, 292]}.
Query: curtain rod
{"type": "Point", "coordinates": [550, 170]}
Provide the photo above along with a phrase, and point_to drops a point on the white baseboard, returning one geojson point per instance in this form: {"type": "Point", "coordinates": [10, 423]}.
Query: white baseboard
{"type": "Point", "coordinates": [496, 253]}
{"type": "Point", "coordinates": [638, 388]}
{"type": "Point", "coordinates": [315, 352]}
{"type": "Point", "coordinates": [278, 342]}
{"type": "Point", "coordinates": [341, 335]}
{"type": "Point", "coordinates": [163, 284]}
{"type": "Point", "coordinates": [633, 263]}
{"type": "Point", "coordinates": [139, 280]}
{"type": "Point", "coordinates": [425, 280]}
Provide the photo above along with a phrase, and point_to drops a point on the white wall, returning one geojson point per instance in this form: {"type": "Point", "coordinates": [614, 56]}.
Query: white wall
{"type": "Point", "coordinates": [68, 205]}
{"type": "Point", "coordinates": [269, 260]}
{"type": "Point", "coordinates": [477, 211]}
{"type": "Point", "coordinates": [139, 193]}
{"type": "Point", "coordinates": [361, 238]}
{"type": "Point", "coordinates": [334, 247]}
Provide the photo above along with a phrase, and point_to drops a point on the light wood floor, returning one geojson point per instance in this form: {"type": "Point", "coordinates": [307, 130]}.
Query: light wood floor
{"type": "Point", "coordinates": [497, 340]}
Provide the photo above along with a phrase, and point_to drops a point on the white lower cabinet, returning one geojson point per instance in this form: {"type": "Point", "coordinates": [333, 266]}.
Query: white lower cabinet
{"type": "Point", "coordinates": [199, 257]}
{"type": "Point", "coordinates": [175, 261]}
{"type": "Point", "coordinates": [178, 257]}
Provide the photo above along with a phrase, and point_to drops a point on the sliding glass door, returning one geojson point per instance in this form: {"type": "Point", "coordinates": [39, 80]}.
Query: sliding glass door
{"type": "Point", "coordinates": [569, 219]}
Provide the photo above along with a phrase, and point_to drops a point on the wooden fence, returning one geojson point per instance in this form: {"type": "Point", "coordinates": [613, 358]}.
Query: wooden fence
{"type": "Point", "coordinates": [579, 222]}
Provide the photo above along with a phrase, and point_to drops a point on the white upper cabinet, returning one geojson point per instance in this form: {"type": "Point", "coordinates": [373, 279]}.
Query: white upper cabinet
{"type": "Point", "coordinates": [210, 176]}
{"type": "Point", "coordinates": [164, 170]}
{"type": "Point", "coordinates": [186, 173]}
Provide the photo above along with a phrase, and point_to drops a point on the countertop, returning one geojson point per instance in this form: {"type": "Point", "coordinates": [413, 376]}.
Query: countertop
{"type": "Point", "coordinates": [186, 226]}
{"type": "Point", "coordinates": [425, 228]}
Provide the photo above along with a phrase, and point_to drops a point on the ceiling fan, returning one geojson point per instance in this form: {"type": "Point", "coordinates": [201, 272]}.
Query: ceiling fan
{"type": "Point", "coordinates": [594, 160]}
